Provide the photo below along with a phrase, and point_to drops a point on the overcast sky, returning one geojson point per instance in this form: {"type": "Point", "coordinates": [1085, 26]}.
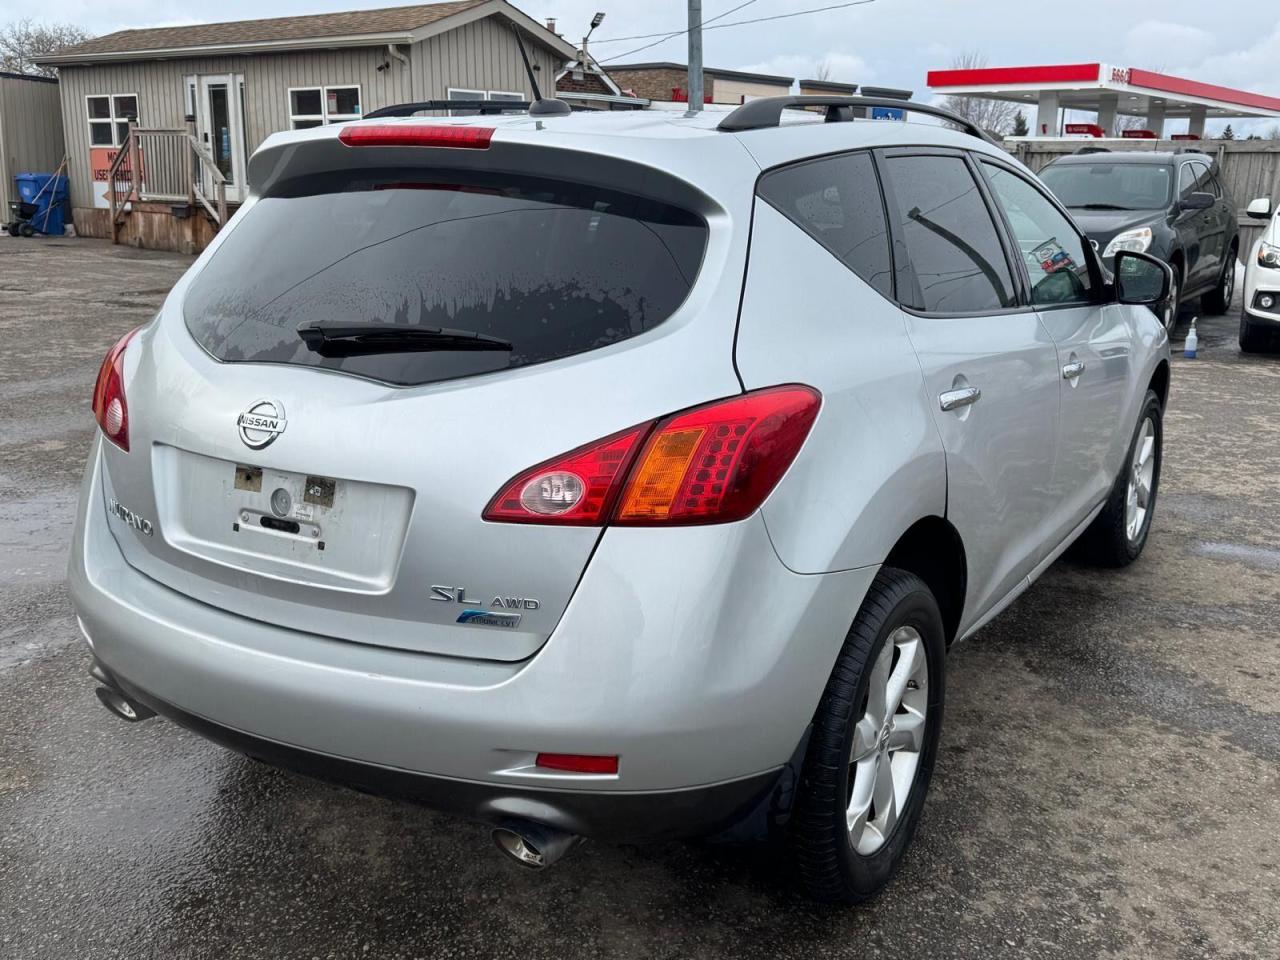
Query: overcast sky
{"type": "Point", "coordinates": [885, 42]}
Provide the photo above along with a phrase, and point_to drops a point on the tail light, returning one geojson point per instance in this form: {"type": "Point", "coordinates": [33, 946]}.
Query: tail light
{"type": "Point", "coordinates": [417, 135]}
{"type": "Point", "coordinates": [110, 408]}
{"type": "Point", "coordinates": [712, 464]}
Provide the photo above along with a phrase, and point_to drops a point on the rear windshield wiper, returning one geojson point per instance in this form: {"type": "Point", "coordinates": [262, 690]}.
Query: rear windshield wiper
{"type": "Point", "coordinates": [336, 338]}
{"type": "Point", "coordinates": [1103, 206]}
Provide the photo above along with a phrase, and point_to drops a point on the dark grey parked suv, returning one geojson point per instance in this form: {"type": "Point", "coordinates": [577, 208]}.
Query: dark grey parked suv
{"type": "Point", "coordinates": [1170, 205]}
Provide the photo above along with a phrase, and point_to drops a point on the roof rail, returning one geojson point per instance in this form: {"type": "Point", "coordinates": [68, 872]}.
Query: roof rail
{"type": "Point", "coordinates": [1085, 151]}
{"type": "Point", "coordinates": [486, 107]}
{"type": "Point", "coordinates": [767, 112]}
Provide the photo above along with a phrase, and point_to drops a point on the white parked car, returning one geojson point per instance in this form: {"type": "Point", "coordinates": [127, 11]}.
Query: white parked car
{"type": "Point", "coordinates": [1261, 317]}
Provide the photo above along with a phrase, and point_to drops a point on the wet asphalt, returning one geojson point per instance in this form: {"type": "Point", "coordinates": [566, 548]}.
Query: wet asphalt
{"type": "Point", "coordinates": [1108, 783]}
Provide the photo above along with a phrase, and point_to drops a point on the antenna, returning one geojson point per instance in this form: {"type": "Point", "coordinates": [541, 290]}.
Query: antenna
{"type": "Point", "coordinates": [540, 106]}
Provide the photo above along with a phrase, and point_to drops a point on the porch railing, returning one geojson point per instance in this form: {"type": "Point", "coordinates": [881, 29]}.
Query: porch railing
{"type": "Point", "coordinates": [164, 166]}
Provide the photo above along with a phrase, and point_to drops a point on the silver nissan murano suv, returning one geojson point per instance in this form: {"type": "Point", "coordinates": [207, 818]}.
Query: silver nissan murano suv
{"type": "Point", "coordinates": [621, 475]}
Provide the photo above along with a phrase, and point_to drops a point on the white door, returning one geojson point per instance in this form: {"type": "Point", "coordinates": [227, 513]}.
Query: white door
{"type": "Point", "coordinates": [220, 128]}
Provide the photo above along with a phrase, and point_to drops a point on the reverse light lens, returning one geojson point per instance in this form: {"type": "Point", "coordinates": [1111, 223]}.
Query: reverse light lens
{"type": "Point", "coordinates": [110, 408]}
{"type": "Point", "coordinates": [1133, 241]}
{"type": "Point", "coordinates": [417, 135]}
{"type": "Point", "coordinates": [1269, 257]}
{"type": "Point", "coordinates": [713, 464]}
{"type": "Point", "coordinates": [577, 763]}
{"type": "Point", "coordinates": [578, 488]}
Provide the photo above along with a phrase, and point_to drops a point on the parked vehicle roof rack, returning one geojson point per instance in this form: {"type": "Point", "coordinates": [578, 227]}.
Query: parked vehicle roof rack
{"type": "Point", "coordinates": [1085, 151]}
{"type": "Point", "coordinates": [485, 107]}
{"type": "Point", "coordinates": [767, 112]}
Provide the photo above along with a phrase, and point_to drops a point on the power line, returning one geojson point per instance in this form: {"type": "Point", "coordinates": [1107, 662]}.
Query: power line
{"type": "Point", "coordinates": [650, 36]}
{"type": "Point", "coordinates": [735, 23]}
{"type": "Point", "coordinates": [668, 36]}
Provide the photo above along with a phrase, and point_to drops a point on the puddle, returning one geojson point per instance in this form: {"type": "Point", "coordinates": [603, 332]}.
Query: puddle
{"type": "Point", "coordinates": [35, 537]}
{"type": "Point", "coordinates": [1258, 556]}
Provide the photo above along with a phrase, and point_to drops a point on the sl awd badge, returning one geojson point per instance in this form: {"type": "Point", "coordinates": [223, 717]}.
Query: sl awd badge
{"type": "Point", "coordinates": [261, 423]}
{"type": "Point", "coordinates": [497, 616]}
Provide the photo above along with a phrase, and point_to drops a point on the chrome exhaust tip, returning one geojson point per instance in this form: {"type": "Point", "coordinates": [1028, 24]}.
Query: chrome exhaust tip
{"type": "Point", "coordinates": [122, 706]}
{"type": "Point", "coordinates": [533, 845]}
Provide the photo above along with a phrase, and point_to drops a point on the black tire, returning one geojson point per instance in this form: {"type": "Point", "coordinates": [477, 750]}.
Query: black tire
{"type": "Point", "coordinates": [1218, 300]}
{"type": "Point", "coordinates": [28, 230]}
{"type": "Point", "coordinates": [1106, 542]}
{"type": "Point", "coordinates": [1174, 304]}
{"type": "Point", "coordinates": [1253, 339]}
{"type": "Point", "coordinates": [829, 866]}
{"type": "Point", "coordinates": [14, 228]}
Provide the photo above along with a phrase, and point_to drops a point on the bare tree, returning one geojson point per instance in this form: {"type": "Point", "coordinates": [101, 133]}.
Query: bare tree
{"type": "Point", "coordinates": [1124, 123]}
{"type": "Point", "coordinates": [21, 40]}
{"type": "Point", "coordinates": [994, 116]}
{"type": "Point", "coordinates": [823, 71]}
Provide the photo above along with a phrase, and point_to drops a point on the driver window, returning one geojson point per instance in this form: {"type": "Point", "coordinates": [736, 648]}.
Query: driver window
{"type": "Point", "coordinates": [1051, 248]}
{"type": "Point", "coordinates": [1187, 181]}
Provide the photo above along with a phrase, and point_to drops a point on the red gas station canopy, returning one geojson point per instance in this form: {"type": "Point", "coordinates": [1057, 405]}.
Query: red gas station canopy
{"type": "Point", "coordinates": [1084, 86]}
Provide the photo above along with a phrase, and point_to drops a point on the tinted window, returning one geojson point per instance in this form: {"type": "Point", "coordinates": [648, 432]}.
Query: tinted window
{"type": "Point", "coordinates": [837, 202]}
{"type": "Point", "coordinates": [1203, 179]}
{"type": "Point", "coordinates": [951, 241]}
{"type": "Point", "coordinates": [1187, 180]}
{"type": "Point", "coordinates": [555, 268]}
{"type": "Point", "coordinates": [1111, 186]}
{"type": "Point", "coordinates": [1053, 252]}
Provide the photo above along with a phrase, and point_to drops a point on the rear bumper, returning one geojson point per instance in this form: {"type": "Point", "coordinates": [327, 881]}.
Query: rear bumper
{"type": "Point", "coordinates": [699, 663]}
{"type": "Point", "coordinates": [618, 816]}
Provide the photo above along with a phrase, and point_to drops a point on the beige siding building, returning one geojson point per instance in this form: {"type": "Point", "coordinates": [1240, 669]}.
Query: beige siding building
{"type": "Point", "coordinates": [669, 83]}
{"type": "Point", "coordinates": [30, 130]}
{"type": "Point", "coordinates": [234, 84]}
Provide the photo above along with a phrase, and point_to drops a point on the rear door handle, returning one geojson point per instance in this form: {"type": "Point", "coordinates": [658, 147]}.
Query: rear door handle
{"type": "Point", "coordinates": [955, 399]}
{"type": "Point", "coordinates": [1073, 370]}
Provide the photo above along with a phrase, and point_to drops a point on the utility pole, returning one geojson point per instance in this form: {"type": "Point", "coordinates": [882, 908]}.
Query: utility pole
{"type": "Point", "coordinates": [695, 58]}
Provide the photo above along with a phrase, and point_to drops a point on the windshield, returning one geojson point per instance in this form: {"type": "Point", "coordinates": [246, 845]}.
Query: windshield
{"type": "Point", "coordinates": [555, 268]}
{"type": "Point", "coordinates": [1124, 186]}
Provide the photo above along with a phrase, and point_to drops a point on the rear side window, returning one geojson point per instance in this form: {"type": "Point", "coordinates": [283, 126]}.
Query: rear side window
{"type": "Point", "coordinates": [555, 268]}
{"type": "Point", "coordinates": [837, 202]}
{"type": "Point", "coordinates": [953, 248]}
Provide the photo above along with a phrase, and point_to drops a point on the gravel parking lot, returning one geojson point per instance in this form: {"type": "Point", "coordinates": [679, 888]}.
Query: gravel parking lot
{"type": "Point", "coordinates": [1108, 783]}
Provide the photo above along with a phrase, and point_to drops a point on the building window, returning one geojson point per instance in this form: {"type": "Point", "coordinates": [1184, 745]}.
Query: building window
{"type": "Point", "coordinates": [460, 93]}
{"type": "Point", "coordinates": [109, 116]}
{"type": "Point", "coordinates": [316, 106]}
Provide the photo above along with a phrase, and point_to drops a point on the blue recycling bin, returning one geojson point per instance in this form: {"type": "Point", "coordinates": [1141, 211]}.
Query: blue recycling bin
{"type": "Point", "coordinates": [49, 195]}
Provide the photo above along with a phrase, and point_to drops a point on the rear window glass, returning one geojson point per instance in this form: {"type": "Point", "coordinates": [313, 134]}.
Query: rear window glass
{"type": "Point", "coordinates": [554, 268]}
{"type": "Point", "coordinates": [836, 200]}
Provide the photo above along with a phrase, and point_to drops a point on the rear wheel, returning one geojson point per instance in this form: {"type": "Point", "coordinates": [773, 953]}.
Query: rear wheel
{"type": "Point", "coordinates": [1174, 303]}
{"type": "Point", "coordinates": [1218, 301]}
{"type": "Point", "coordinates": [875, 736]}
{"type": "Point", "coordinates": [1253, 339]}
{"type": "Point", "coordinates": [27, 230]}
{"type": "Point", "coordinates": [1119, 533]}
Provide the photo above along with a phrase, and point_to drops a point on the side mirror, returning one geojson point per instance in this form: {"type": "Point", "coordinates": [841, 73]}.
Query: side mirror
{"type": "Point", "coordinates": [1142, 279]}
{"type": "Point", "coordinates": [1260, 209]}
{"type": "Point", "coordinates": [1197, 201]}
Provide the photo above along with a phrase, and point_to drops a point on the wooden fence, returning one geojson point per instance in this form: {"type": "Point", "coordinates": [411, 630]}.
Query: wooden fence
{"type": "Point", "coordinates": [1250, 168]}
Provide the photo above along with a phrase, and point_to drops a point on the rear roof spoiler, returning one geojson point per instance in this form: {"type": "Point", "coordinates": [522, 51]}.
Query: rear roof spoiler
{"type": "Point", "coordinates": [767, 112]}
{"type": "Point", "coordinates": [479, 106]}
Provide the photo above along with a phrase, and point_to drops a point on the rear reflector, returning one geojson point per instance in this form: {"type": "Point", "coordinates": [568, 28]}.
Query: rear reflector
{"type": "Point", "coordinates": [577, 763]}
{"type": "Point", "coordinates": [417, 135]}
{"type": "Point", "coordinates": [712, 464]}
{"type": "Point", "coordinates": [110, 408]}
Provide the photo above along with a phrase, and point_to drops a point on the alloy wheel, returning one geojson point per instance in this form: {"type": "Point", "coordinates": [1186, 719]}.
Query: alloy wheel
{"type": "Point", "coordinates": [888, 741]}
{"type": "Point", "coordinates": [1142, 470]}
